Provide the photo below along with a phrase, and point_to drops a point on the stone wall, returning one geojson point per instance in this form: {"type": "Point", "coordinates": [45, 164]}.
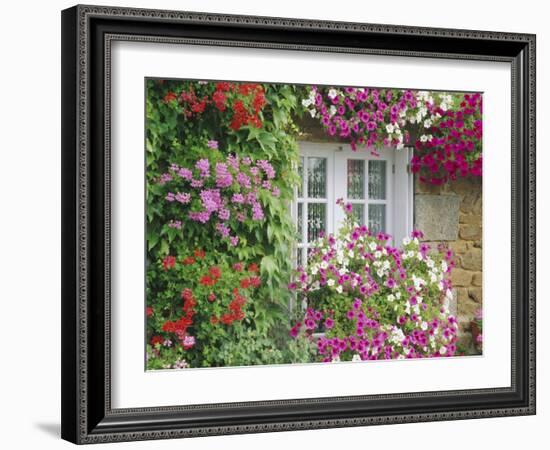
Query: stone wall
{"type": "Point", "coordinates": [452, 214]}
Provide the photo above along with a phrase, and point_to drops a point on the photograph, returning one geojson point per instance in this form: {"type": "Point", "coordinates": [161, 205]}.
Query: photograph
{"type": "Point", "coordinates": [294, 223]}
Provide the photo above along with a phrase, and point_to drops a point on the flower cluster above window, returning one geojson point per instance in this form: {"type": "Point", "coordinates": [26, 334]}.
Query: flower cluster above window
{"type": "Point", "coordinates": [445, 129]}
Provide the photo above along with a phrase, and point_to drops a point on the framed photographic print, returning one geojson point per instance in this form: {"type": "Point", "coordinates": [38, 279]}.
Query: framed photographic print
{"type": "Point", "coordinates": [282, 224]}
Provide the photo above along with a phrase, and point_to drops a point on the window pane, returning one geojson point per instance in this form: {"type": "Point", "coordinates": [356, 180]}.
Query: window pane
{"type": "Point", "coordinates": [358, 213]}
{"type": "Point", "coordinates": [300, 222]}
{"type": "Point", "coordinates": [317, 178]}
{"type": "Point", "coordinates": [377, 180]}
{"type": "Point", "coordinates": [377, 218]}
{"type": "Point", "coordinates": [301, 174]}
{"type": "Point", "coordinates": [356, 179]}
{"type": "Point", "coordinates": [316, 220]}
{"type": "Point", "coordinates": [299, 259]}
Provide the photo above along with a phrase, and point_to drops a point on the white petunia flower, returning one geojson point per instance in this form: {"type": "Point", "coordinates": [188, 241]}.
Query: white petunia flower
{"type": "Point", "coordinates": [356, 358]}
{"type": "Point", "coordinates": [339, 289]}
{"type": "Point", "coordinates": [389, 128]}
{"type": "Point", "coordinates": [330, 282]}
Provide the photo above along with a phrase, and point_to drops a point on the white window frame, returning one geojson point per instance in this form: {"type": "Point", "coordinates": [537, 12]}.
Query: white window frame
{"type": "Point", "coordinates": [320, 150]}
{"type": "Point", "coordinates": [399, 187]}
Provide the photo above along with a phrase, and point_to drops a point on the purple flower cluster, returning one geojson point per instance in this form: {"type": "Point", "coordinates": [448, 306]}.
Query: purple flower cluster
{"type": "Point", "coordinates": [361, 115]}
{"type": "Point", "coordinates": [226, 192]}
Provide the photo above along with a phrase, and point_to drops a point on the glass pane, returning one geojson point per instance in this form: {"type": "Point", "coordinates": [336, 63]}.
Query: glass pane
{"type": "Point", "coordinates": [299, 259]}
{"type": "Point", "coordinates": [300, 222]}
{"type": "Point", "coordinates": [301, 174]}
{"type": "Point", "coordinates": [316, 220]}
{"type": "Point", "coordinates": [377, 218]}
{"type": "Point", "coordinates": [317, 178]}
{"type": "Point", "coordinates": [358, 213]}
{"type": "Point", "coordinates": [356, 179]}
{"type": "Point", "coordinates": [377, 180]}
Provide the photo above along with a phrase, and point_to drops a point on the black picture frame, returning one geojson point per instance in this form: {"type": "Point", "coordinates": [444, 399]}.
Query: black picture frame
{"type": "Point", "coordinates": [87, 33]}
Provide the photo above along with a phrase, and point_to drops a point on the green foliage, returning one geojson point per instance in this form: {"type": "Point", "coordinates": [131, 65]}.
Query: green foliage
{"type": "Point", "coordinates": [255, 121]}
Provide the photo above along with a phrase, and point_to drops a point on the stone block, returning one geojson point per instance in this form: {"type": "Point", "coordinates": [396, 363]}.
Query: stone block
{"type": "Point", "coordinates": [467, 309]}
{"type": "Point", "coordinates": [476, 294]}
{"type": "Point", "coordinates": [477, 279]}
{"type": "Point", "coordinates": [471, 219]}
{"type": "Point", "coordinates": [459, 247]}
{"type": "Point", "coordinates": [437, 216]}
{"type": "Point", "coordinates": [470, 232]}
{"type": "Point", "coordinates": [472, 260]}
{"type": "Point", "coordinates": [461, 277]}
{"type": "Point", "coordinates": [471, 202]}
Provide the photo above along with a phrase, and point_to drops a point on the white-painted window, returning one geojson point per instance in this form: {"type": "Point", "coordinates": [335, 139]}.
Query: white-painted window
{"type": "Point", "coordinates": [379, 187]}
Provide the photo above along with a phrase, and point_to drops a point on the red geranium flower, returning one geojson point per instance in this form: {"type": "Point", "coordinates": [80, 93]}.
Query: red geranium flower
{"type": "Point", "coordinates": [199, 253]}
{"type": "Point", "coordinates": [223, 86]}
{"type": "Point", "coordinates": [156, 340]}
{"type": "Point", "coordinates": [207, 281]}
{"type": "Point", "coordinates": [149, 311]}
{"type": "Point", "coordinates": [189, 260]}
{"type": "Point", "coordinates": [170, 96]}
{"type": "Point", "coordinates": [253, 267]}
{"type": "Point", "coordinates": [219, 100]}
{"type": "Point", "coordinates": [187, 294]}
{"type": "Point", "coordinates": [245, 283]}
{"type": "Point", "coordinates": [215, 272]}
{"type": "Point", "coordinates": [168, 262]}
{"type": "Point", "coordinates": [255, 281]}
{"type": "Point", "coordinates": [211, 297]}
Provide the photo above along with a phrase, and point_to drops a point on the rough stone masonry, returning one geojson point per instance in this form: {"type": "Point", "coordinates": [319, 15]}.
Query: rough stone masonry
{"type": "Point", "coordinates": [452, 214]}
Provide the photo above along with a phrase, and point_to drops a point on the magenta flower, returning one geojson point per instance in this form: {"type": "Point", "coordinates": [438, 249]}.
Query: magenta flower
{"type": "Point", "coordinates": [188, 342]}
{"type": "Point", "coordinates": [204, 167]}
{"type": "Point", "coordinates": [212, 144]}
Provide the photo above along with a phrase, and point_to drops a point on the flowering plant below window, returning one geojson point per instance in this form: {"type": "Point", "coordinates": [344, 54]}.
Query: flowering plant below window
{"type": "Point", "coordinates": [376, 301]}
{"type": "Point", "coordinates": [446, 128]}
